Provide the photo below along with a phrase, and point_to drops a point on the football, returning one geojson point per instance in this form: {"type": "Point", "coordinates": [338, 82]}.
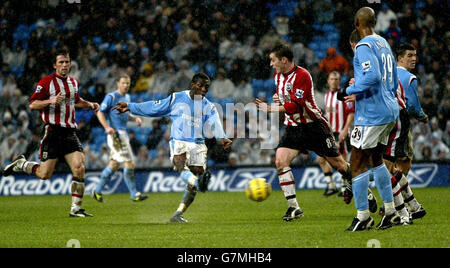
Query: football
{"type": "Point", "coordinates": [258, 189]}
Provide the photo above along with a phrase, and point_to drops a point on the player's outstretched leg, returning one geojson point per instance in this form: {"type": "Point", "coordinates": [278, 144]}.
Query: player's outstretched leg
{"type": "Point", "coordinates": [21, 165]}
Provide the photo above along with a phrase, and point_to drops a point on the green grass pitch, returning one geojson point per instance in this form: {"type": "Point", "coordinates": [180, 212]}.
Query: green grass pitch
{"type": "Point", "coordinates": [216, 220]}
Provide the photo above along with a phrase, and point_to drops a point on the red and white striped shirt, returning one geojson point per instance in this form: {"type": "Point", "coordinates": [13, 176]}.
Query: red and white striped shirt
{"type": "Point", "coordinates": [337, 111]}
{"type": "Point", "coordinates": [400, 95]}
{"type": "Point", "coordinates": [62, 115]}
{"type": "Point", "coordinates": [295, 91]}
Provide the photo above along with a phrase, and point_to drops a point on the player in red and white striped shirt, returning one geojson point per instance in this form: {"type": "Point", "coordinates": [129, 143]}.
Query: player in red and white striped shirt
{"type": "Point", "coordinates": [340, 115]}
{"type": "Point", "coordinates": [56, 97]}
{"type": "Point", "coordinates": [306, 128]}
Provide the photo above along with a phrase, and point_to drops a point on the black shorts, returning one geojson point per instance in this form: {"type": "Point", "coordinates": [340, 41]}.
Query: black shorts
{"type": "Point", "coordinates": [316, 137]}
{"type": "Point", "coordinates": [343, 147]}
{"type": "Point", "coordinates": [57, 142]}
{"type": "Point", "coordinates": [399, 146]}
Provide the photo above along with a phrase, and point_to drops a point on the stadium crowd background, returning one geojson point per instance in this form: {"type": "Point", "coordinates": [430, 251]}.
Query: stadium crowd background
{"type": "Point", "coordinates": [161, 44]}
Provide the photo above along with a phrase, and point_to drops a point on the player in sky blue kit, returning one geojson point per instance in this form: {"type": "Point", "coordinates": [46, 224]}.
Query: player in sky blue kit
{"type": "Point", "coordinates": [194, 118]}
{"type": "Point", "coordinates": [376, 111]}
{"type": "Point", "coordinates": [115, 125]}
{"type": "Point", "coordinates": [399, 153]}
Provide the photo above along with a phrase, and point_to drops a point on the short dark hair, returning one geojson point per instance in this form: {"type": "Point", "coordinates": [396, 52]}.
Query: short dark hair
{"type": "Point", "coordinates": [59, 52]}
{"type": "Point", "coordinates": [401, 50]}
{"type": "Point", "coordinates": [282, 50]}
{"type": "Point", "coordinates": [200, 76]}
{"type": "Point", "coordinates": [123, 75]}
{"type": "Point", "coordinates": [354, 37]}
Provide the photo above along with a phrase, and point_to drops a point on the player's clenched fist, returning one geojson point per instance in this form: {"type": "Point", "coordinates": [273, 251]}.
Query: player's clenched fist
{"type": "Point", "coordinates": [57, 99]}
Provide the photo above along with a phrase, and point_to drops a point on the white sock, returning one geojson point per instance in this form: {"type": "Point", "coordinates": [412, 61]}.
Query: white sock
{"type": "Point", "coordinates": [77, 190]}
{"type": "Point", "coordinates": [363, 215]}
{"type": "Point", "coordinates": [389, 208]}
{"type": "Point", "coordinates": [287, 184]}
{"type": "Point", "coordinates": [398, 199]}
{"type": "Point", "coordinates": [330, 181]}
{"type": "Point", "coordinates": [30, 167]}
{"type": "Point", "coordinates": [408, 195]}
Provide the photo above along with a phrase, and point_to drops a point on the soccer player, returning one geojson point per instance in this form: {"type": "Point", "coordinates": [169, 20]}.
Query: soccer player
{"type": "Point", "coordinates": [340, 116]}
{"type": "Point", "coordinates": [193, 119]}
{"type": "Point", "coordinates": [306, 128]}
{"type": "Point", "coordinates": [376, 111]}
{"type": "Point", "coordinates": [118, 140]}
{"type": "Point", "coordinates": [56, 97]}
{"type": "Point", "coordinates": [399, 153]}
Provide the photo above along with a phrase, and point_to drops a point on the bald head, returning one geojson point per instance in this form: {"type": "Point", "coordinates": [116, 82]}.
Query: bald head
{"type": "Point", "coordinates": [365, 21]}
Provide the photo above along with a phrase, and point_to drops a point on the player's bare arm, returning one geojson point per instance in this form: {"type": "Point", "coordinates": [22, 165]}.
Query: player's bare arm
{"type": "Point", "coordinates": [263, 106]}
{"type": "Point", "coordinates": [87, 105]}
{"type": "Point", "coordinates": [41, 104]}
{"type": "Point", "coordinates": [102, 119]}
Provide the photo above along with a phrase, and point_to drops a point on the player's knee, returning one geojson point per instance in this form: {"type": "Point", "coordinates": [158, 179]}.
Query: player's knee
{"type": "Point", "coordinates": [44, 174]}
{"type": "Point", "coordinates": [281, 163]}
{"type": "Point", "coordinates": [114, 165]}
{"type": "Point", "coordinates": [79, 169]}
{"type": "Point", "coordinates": [179, 163]}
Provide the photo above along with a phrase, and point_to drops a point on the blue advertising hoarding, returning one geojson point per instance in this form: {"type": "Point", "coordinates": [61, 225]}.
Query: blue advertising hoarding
{"type": "Point", "coordinates": [225, 180]}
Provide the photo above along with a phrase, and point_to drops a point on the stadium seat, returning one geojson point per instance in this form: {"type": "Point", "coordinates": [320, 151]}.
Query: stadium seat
{"type": "Point", "coordinates": [320, 54]}
{"type": "Point", "coordinates": [324, 46]}
{"type": "Point", "coordinates": [317, 27]}
{"type": "Point", "coordinates": [195, 68]}
{"type": "Point", "coordinates": [269, 85]}
{"type": "Point", "coordinates": [318, 38]}
{"type": "Point", "coordinates": [211, 70]}
{"type": "Point", "coordinates": [333, 37]}
{"type": "Point", "coordinates": [313, 46]}
{"type": "Point", "coordinates": [257, 84]}
{"type": "Point", "coordinates": [327, 28]}
{"type": "Point", "coordinates": [153, 153]}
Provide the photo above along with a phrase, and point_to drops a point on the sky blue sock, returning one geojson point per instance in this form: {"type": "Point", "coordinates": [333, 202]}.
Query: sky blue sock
{"type": "Point", "coordinates": [107, 173]}
{"type": "Point", "coordinates": [186, 175]}
{"type": "Point", "coordinates": [130, 181]}
{"type": "Point", "coordinates": [360, 185]}
{"type": "Point", "coordinates": [382, 179]}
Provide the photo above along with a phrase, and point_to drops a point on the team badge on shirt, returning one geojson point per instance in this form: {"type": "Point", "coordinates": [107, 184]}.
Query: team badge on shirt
{"type": "Point", "coordinates": [366, 65]}
{"type": "Point", "coordinates": [289, 86]}
{"type": "Point", "coordinates": [299, 93]}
